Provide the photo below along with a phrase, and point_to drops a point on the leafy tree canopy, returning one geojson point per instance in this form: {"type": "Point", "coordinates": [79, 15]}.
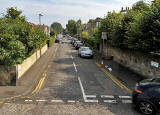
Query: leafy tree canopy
{"type": "Point", "coordinates": [57, 27]}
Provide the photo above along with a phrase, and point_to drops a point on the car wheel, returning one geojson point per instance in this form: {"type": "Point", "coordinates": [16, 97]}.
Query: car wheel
{"type": "Point", "coordinates": [146, 108]}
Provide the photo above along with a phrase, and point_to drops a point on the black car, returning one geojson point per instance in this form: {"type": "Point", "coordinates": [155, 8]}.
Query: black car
{"type": "Point", "coordinates": [146, 96]}
{"type": "Point", "coordinates": [57, 40]}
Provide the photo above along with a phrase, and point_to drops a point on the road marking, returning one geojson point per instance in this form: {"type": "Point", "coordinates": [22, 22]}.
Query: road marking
{"type": "Point", "coordinates": [28, 100]}
{"type": "Point", "coordinates": [41, 100]}
{"type": "Point", "coordinates": [110, 101]}
{"type": "Point", "coordinates": [107, 96]}
{"type": "Point", "coordinates": [126, 101]}
{"type": "Point", "coordinates": [71, 56]}
{"type": "Point", "coordinates": [75, 66]}
{"type": "Point", "coordinates": [90, 95]}
{"type": "Point", "coordinates": [114, 79]}
{"type": "Point", "coordinates": [82, 89]}
{"type": "Point", "coordinates": [44, 74]}
{"type": "Point", "coordinates": [91, 101]}
{"type": "Point", "coordinates": [57, 101]}
{"type": "Point", "coordinates": [71, 101]}
{"type": "Point", "coordinates": [38, 87]}
{"type": "Point", "coordinates": [125, 97]}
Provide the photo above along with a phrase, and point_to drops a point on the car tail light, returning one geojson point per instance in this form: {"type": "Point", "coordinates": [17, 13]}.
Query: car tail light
{"type": "Point", "coordinates": [138, 91]}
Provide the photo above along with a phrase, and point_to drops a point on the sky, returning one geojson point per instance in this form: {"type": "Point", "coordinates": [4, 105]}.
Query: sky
{"type": "Point", "coordinates": [63, 10]}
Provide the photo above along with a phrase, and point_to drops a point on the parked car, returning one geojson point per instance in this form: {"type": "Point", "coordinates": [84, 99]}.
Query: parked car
{"type": "Point", "coordinates": [85, 52]}
{"type": "Point", "coordinates": [75, 43]}
{"type": "Point", "coordinates": [73, 40]}
{"type": "Point", "coordinates": [79, 45]}
{"type": "Point", "coordinates": [146, 96]}
{"type": "Point", "coordinates": [57, 40]}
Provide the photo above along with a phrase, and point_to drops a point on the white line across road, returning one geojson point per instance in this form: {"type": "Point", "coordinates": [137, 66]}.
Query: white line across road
{"type": "Point", "coordinates": [41, 100]}
{"type": "Point", "coordinates": [28, 100]}
{"type": "Point", "coordinates": [125, 97]}
{"type": "Point", "coordinates": [71, 101]}
{"type": "Point", "coordinates": [126, 101]}
{"type": "Point", "coordinates": [110, 101]}
{"type": "Point", "coordinates": [107, 96]}
{"type": "Point", "coordinates": [75, 66]}
{"type": "Point", "coordinates": [92, 96]}
{"type": "Point", "coordinates": [57, 101]}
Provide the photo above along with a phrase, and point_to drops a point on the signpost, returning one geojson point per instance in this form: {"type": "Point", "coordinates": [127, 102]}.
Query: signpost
{"type": "Point", "coordinates": [104, 37]}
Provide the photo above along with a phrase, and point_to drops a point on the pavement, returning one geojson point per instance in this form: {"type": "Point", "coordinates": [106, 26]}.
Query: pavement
{"type": "Point", "coordinates": [61, 83]}
{"type": "Point", "coordinates": [126, 76]}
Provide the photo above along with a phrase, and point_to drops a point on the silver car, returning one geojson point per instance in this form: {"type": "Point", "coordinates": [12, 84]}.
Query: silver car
{"type": "Point", "coordinates": [85, 52]}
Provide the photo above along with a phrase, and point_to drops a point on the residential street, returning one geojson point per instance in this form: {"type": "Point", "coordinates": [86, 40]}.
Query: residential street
{"type": "Point", "coordinates": [70, 85]}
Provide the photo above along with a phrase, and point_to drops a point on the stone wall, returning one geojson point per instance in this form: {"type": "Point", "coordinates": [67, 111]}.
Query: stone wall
{"type": "Point", "coordinates": [22, 68]}
{"type": "Point", "coordinates": [7, 76]}
{"type": "Point", "coordinates": [135, 61]}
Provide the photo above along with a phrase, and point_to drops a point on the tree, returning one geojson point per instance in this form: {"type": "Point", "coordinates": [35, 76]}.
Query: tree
{"type": "Point", "coordinates": [140, 5]}
{"type": "Point", "coordinates": [57, 27]}
{"type": "Point", "coordinates": [71, 27]}
{"type": "Point", "coordinates": [79, 26]}
{"type": "Point", "coordinates": [13, 13]}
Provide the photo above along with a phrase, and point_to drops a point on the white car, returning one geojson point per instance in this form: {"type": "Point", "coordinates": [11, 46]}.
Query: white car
{"type": "Point", "coordinates": [85, 52]}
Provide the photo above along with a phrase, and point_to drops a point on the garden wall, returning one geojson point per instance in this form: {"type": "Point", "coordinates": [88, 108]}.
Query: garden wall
{"type": "Point", "coordinates": [140, 63]}
{"type": "Point", "coordinates": [22, 68]}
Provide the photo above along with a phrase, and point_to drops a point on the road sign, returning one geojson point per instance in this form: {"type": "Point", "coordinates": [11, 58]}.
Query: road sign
{"type": "Point", "coordinates": [104, 36]}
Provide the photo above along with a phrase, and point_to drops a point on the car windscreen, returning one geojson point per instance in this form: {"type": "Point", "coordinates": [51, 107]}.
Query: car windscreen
{"type": "Point", "coordinates": [85, 49]}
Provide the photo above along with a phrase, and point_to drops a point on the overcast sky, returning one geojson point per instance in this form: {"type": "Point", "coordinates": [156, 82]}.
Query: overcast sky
{"type": "Point", "coordinates": [63, 10]}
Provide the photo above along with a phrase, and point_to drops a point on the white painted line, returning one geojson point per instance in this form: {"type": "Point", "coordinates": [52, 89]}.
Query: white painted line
{"type": "Point", "coordinates": [110, 101]}
{"type": "Point", "coordinates": [57, 101]}
{"type": "Point", "coordinates": [125, 97]}
{"type": "Point", "coordinates": [75, 66]}
{"type": "Point", "coordinates": [90, 95]}
{"type": "Point", "coordinates": [82, 89]}
{"type": "Point", "coordinates": [28, 100]}
{"type": "Point", "coordinates": [107, 96]}
{"type": "Point", "coordinates": [71, 101]}
{"type": "Point", "coordinates": [126, 101]}
{"type": "Point", "coordinates": [91, 101]}
{"type": "Point", "coordinates": [71, 56]}
{"type": "Point", "coordinates": [41, 100]}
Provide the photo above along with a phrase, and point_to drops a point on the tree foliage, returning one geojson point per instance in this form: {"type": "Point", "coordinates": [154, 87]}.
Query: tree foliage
{"type": "Point", "coordinates": [17, 38]}
{"type": "Point", "coordinates": [57, 27]}
{"type": "Point", "coordinates": [136, 29]}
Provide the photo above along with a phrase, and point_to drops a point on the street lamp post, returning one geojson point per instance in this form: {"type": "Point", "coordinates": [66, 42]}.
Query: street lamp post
{"type": "Point", "coordinates": [40, 18]}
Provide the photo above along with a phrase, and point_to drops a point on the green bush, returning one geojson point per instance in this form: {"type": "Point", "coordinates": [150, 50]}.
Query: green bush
{"type": "Point", "coordinates": [18, 40]}
{"type": "Point", "coordinates": [51, 41]}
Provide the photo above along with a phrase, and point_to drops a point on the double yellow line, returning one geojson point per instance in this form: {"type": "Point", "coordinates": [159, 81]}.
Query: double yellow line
{"type": "Point", "coordinates": [38, 87]}
{"type": "Point", "coordinates": [114, 79]}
